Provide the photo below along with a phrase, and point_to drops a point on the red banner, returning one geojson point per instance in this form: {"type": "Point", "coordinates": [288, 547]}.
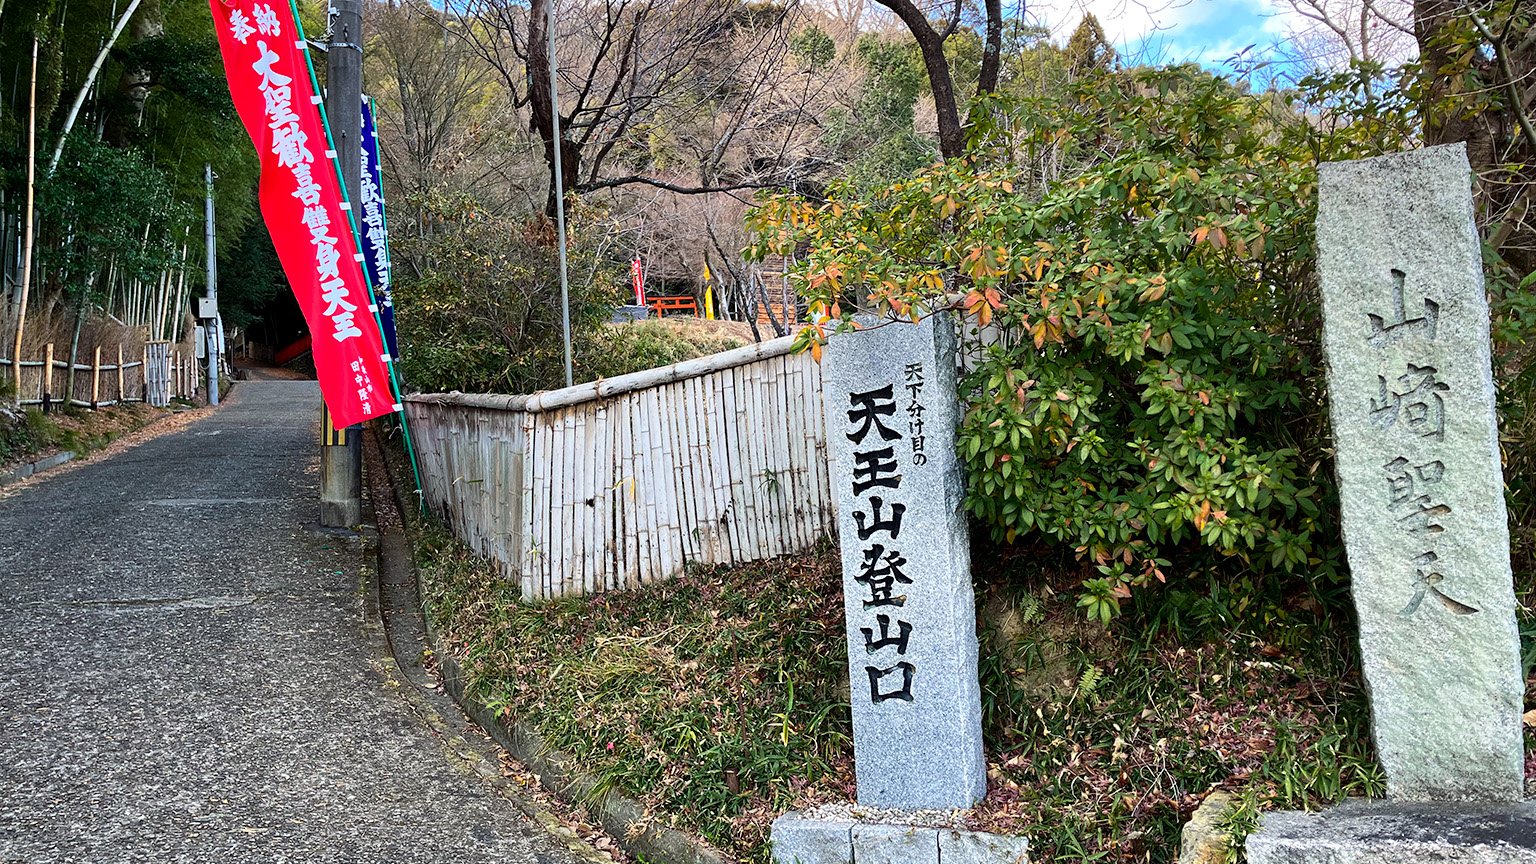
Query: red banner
{"type": "Point", "coordinates": [301, 203]}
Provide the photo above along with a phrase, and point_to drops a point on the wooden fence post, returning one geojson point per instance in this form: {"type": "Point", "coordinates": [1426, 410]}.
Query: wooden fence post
{"type": "Point", "coordinates": [121, 396]}
{"type": "Point", "coordinates": [144, 374]}
{"type": "Point", "coordinates": [96, 378]}
{"type": "Point", "coordinates": [47, 376]}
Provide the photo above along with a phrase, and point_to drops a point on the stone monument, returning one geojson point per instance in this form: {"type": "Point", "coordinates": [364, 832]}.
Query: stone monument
{"type": "Point", "coordinates": [892, 411]}
{"type": "Point", "coordinates": [891, 414]}
{"type": "Point", "coordinates": [1405, 327]}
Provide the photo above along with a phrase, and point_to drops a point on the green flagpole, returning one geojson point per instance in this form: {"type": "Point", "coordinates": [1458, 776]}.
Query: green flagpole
{"type": "Point", "coordinates": [357, 238]}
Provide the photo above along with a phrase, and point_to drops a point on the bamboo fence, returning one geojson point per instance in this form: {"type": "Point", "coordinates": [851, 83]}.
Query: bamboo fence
{"type": "Point", "coordinates": [155, 375]}
{"type": "Point", "coordinates": [622, 482]}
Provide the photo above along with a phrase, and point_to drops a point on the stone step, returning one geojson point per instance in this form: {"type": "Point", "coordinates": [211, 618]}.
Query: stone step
{"type": "Point", "coordinates": [1372, 832]}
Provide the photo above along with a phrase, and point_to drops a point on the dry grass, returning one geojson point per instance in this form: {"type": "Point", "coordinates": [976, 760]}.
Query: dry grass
{"type": "Point", "coordinates": [719, 700]}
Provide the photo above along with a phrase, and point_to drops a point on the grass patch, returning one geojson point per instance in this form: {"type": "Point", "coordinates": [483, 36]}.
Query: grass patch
{"type": "Point", "coordinates": [719, 701]}
{"type": "Point", "coordinates": [619, 349]}
{"type": "Point", "coordinates": [1102, 743]}
{"type": "Point", "coordinates": [29, 433]}
{"type": "Point", "coordinates": [25, 432]}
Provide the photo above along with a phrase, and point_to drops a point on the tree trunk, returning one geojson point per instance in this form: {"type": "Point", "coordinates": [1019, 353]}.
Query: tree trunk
{"type": "Point", "coordinates": [991, 53]}
{"type": "Point", "coordinates": [930, 43]}
{"type": "Point", "coordinates": [541, 112]}
{"type": "Point", "coordinates": [1492, 130]}
{"type": "Point", "coordinates": [74, 350]}
{"type": "Point", "coordinates": [26, 255]}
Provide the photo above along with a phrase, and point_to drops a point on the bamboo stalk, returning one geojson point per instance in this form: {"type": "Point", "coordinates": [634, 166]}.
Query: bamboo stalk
{"type": "Point", "coordinates": [756, 476]}
{"type": "Point", "coordinates": [652, 487]}
{"type": "Point", "coordinates": [90, 79]}
{"type": "Point", "coordinates": [674, 519]}
{"type": "Point", "coordinates": [120, 394]}
{"type": "Point", "coordinates": [539, 546]}
{"type": "Point", "coordinates": [719, 470]}
{"type": "Point", "coordinates": [689, 505]}
{"type": "Point", "coordinates": [606, 524]}
{"type": "Point", "coordinates": [526, 545]}
{"type": "Point", "coordinates": [173, 317]}
{"type": "Point", "coordinates": [707, 507]}
{"type": "Point", "coordinates": [26, 254]}
{"type": "Point", "coordinates": [629, 494]}
{"type": "Point", "coordinates": [96, 377]}
{"type": "Point", "coordinates": [588, 534]}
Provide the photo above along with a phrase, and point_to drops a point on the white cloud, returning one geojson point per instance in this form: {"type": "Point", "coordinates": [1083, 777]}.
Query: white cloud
{"type": "Point", "coordinates": [1209, 31]}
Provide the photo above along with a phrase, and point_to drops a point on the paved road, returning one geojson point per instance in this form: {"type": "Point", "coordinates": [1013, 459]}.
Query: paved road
{"type": "Point", "coordinates": [184, 675]}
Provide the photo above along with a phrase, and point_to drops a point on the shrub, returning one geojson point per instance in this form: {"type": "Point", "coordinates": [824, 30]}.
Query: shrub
{"type": "Point", "coordinates": [616, 350]}
{"type": "Point", "coordinates": [1153, 397]}
{"type": "Point", "coordinates": [478, 300]}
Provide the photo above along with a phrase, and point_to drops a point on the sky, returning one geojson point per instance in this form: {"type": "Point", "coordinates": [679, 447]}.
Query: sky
{"type": "Point", "coordinates": [1209, 32]}
{"type": "Point", "coordinates": [1206, 31]}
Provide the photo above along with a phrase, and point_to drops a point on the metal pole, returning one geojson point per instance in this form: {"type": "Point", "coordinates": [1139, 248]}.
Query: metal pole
{"type": "Point", "coordinates": [555, 142]}
{"type": "Point", "coordinates": [210, 311]}
{"type": "Point", "coordinates": [341, 455]}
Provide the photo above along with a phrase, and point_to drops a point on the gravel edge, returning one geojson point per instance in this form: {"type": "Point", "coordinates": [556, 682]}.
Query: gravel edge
{"type": "Point", "coordinates": [623, 819]}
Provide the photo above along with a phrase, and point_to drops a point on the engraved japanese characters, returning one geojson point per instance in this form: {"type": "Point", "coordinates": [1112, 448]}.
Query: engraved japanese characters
{"type": "Point", "coordinates": [1412, 404]}
{"type": "Point", "coordinates": [891, 413]}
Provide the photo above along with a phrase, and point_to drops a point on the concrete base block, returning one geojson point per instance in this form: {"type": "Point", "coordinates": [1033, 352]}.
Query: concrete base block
{"type": "Point", "coordinates": [974, 847]}
{"type": "Point", "coordinates": [895, 844]}
{"type": "Point", "coordinates": [800, 839]}
{"type": "Point", "coordinates": [1370, 832]}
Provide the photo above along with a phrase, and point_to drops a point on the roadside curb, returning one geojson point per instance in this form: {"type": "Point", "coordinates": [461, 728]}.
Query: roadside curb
{"type": "Point", "coordinates": [623, 819]}
{"type": "Point", "coordinates": [378, 554]}
{"type": "Point", "coordinates": [28, 469]}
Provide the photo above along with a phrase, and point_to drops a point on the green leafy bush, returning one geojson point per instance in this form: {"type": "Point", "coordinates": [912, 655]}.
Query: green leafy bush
{"type": "Point", "coordinates": [1149, 389]}
{"type": "Point", "coordinates": [477, 300]}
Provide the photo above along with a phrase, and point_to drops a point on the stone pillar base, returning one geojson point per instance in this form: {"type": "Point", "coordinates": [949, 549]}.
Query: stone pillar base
{"type": "Point", "coordinates": [1377, 832]}
{"type": "Point", "coordinates": [806, 839]}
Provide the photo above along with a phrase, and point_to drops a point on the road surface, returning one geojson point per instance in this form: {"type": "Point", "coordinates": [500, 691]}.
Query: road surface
{"type": "Point", "coordinates": [186, 676]}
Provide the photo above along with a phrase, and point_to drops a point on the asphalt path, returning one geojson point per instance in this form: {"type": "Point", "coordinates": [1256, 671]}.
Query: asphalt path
{"type": "Point", "coordinates": [185, 674]}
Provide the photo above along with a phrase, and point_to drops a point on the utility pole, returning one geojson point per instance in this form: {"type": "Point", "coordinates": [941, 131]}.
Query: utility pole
{"type": "Point", "coordinates": [208, 310]}
{"type": "Point", "coordinates": [341, 450]}
{"type": "Point", "coordinates": [559, 181]}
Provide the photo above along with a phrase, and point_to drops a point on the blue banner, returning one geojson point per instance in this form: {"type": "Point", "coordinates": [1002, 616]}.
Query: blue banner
{"type": "Point", "coordinates": [376, 230]}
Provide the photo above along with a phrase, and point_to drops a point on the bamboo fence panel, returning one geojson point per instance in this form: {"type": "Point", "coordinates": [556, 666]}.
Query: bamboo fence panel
{"type": "Point", "coordinates": [623, 482]}
{"type": "Point", "coordinates": [43, 382]}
